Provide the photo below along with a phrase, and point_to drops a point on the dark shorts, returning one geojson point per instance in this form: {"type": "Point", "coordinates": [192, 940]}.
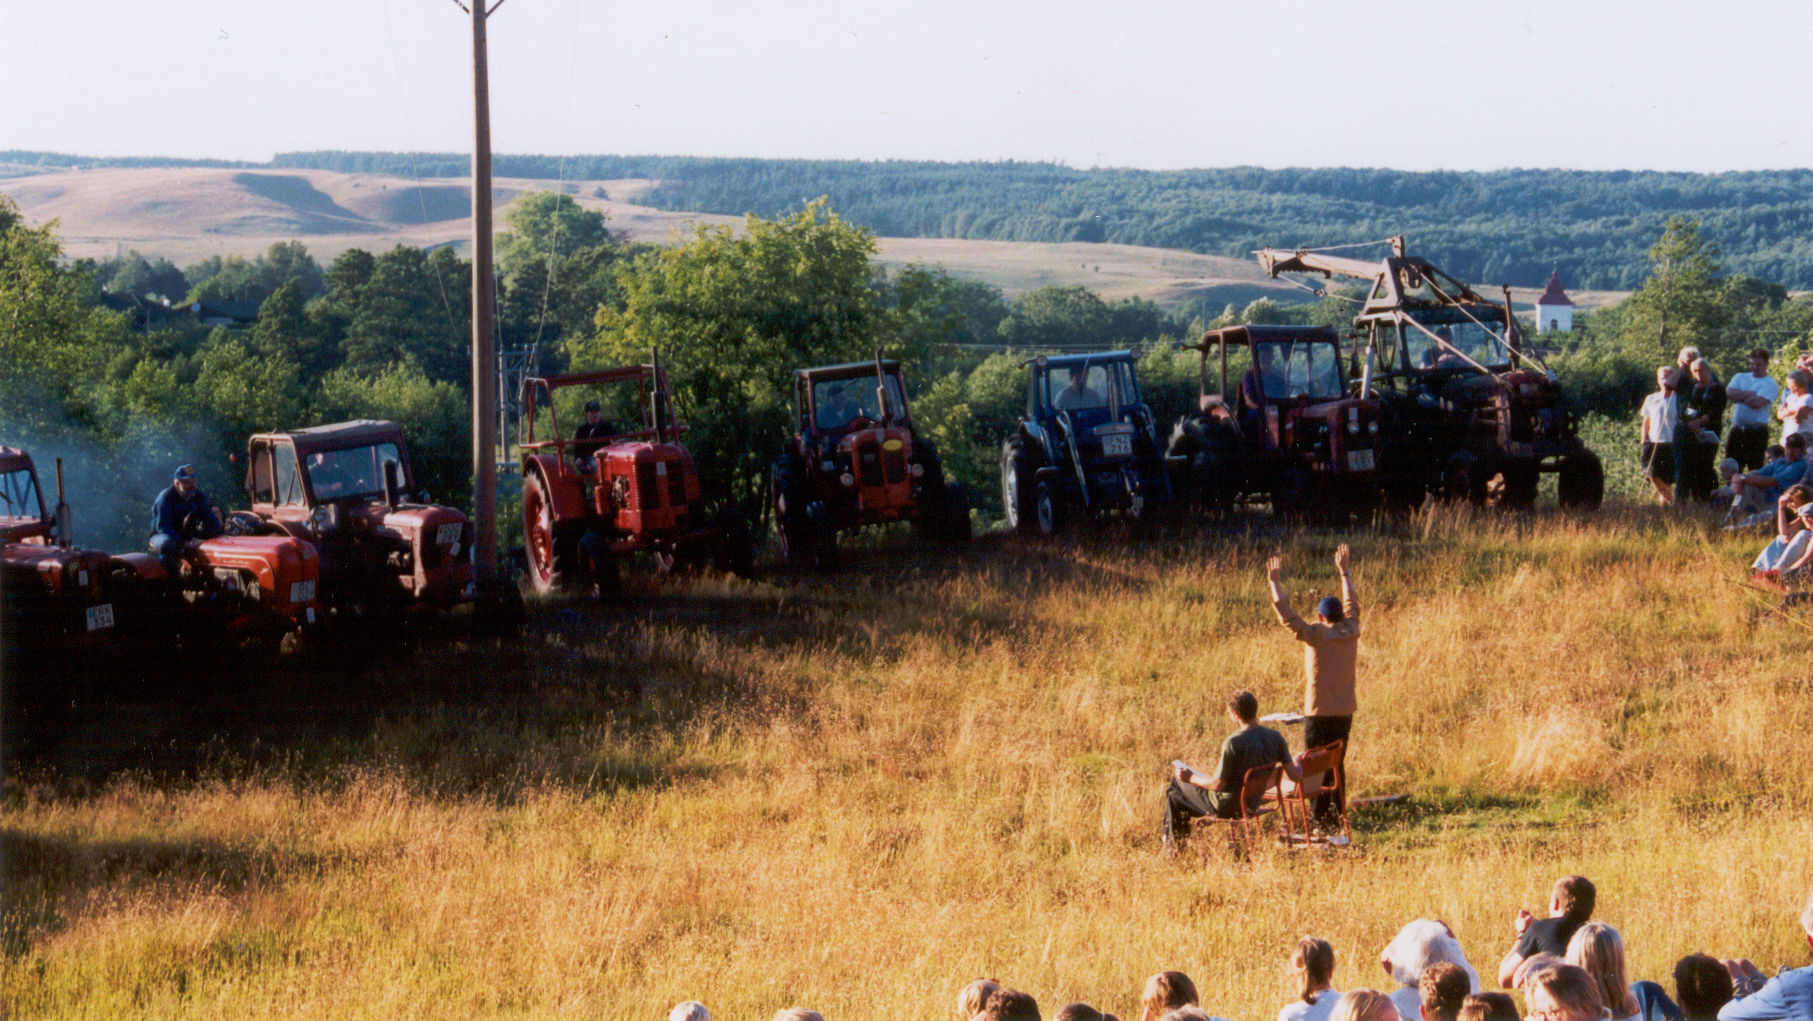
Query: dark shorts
{"type": "Point", "coordinates": [1747, 445]}
{"type": "Point", "coordinates": [1658, 461]}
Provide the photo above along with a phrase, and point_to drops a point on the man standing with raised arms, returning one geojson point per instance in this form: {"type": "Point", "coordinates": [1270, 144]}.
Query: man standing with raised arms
{"type": "Point", "coordinates": [1331, 651]}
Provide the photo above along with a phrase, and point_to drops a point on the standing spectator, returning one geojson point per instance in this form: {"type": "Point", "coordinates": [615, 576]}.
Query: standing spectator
{"type": "Point", "coordinates": [1365, 1005]}
{"type": "Point", "coordinates": [1751, 394]}
{"type": "Point", "coordinates": [1699, 416]}
{"type": "Point", "coordinates": [1417, 946]}
{"type": "Point", "coordinates": [1443, 988]}
{"type": "Point", "coordinates": [1704, 985]}
{"type": "Point", "coordinates": [1331, 652]}
{"type": "Point", "coordinates": [1165, 992]}
{"type": "Point", "coordinates": [1313, 962]}
{"type": "Point", "coordinates": [1570, 905]}
{"type": "Point", "coordinates": [1658, 424]}
{"type": "Point", "coordinates": [1796, 408]}
{"type": "Point", "coordinates": [1786, 997]}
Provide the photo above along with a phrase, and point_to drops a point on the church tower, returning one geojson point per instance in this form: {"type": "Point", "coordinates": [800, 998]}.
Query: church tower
{"type": "Point", "coordinates": [1554, 311]}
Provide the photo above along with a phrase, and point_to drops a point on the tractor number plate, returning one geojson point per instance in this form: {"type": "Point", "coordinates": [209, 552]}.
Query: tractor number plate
{"type": "Point", "coordinates": [447, 533]}
{"type": "Point", "coordinates": [1359, 460]}
{"type": "Point", "coordinates": [1117, 445]}
{"type": "Point", "coordinates": [302, 591]}
{"type": "Point", "coordinates": [100, 617]}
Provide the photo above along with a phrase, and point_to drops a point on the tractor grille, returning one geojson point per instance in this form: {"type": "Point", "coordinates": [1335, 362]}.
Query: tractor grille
{"type": "Point", "coordinates": [647, 492]}
{"type": "Point", "coordinates": [868, 464]}
{"type": "Point", "coordinates": [676, 485]}
{"type": "Point", "coordinates": [650, 493]}
{"type": "Point", "coordinates": [894, 465]}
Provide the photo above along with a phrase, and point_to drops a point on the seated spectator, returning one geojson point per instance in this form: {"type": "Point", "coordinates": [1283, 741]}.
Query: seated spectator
{"type": "Point", "coordinates": [1006, 1004]}
{"type": "Point", "coordinates": [973, 997]}
{"type": "Point", "coordinates": [1082, 1012]}
{"type": "Point", "coordinates": [1492, 1006]}
{"type": "Point", "coordinates": [1787, 995]}
{"type": "Point", "coordinates": [1441, 989]}
{"type": "Point", "coordinates": [1192, 795]}
{"type": "Point", "coordinates": [1365, 1005]}
{"type": "Point", "coordinates": [1791, 531]}
{"type": "Point", "coordinates": [1570, 905]}
{"type": "Point", "coordinates": [1563, 992]}
{"type": "Point", "coordinates": [1417, 946]}
{"type": "Point", "coordinates": [689, 1010]}
{"type": "Point", "coordinates": [1756, 494]}
{"type": "Point", "coordinates": [1599, 951]}
{"type": "Point", "coordinates": [1165, 992]}
{"type": "Point", "coordinates": [1704, 985]}
{"type": "Point", "coordinates": [1313, 962]}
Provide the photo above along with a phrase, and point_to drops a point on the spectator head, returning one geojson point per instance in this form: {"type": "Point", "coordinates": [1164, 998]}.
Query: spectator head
{"type": "Point", "coordinates": [1794, 442]}
{"type": "Point", "coordinates": [1329, 609]}
{"type": "Point", "coordinates": [1082, 1012]}
{"type": "Point", "coordinates": [1777, 451]}
{"type": "Point", "coordinates": [1245, 706]}
{"type": "Point", "coordinates": [1597, 948]}
{"type": "Point", "coordinates": [1688, 356]}
{"type": "Point", "coordinates": [1563, 992]}
{"type": "Point", "coordinates": [1189, 1014]}
{"type": "Point", "coordinates": [1530, 966]}
{"type": "Point", "coordinates": [1701, 369]}
{"type": "Point", "coordinates": [1313, 962]}
{"type": "Point", "coordinates": [1442, 988]}
{"type": "Point", "coordinates": [1759, 360]}
{"type": "Point", "coordinates": [1492, 1006]}
{"type": "Point", "coordinates": [1572, 899]}
{"type": "Point", "coordinates": [798, 1014]}
{"type": "Point", "coordinates": [1663, 375]}
{"type": "Point", "coordinates": [973, 997]}
{"type": "Point", "coordinates": [1420, 944]}
{"type": "Point", "coordinates": [1364, 1005]}
{"type": "Point", "coordinates": [1727, 468]}
{"type": "Point", "coordinates": [1169, 990]}
{"type": "Point", "coordinates": [1703, 984]}
{"type": "Point", "coordinates": [690, 1010]}
{"type": "Point", "coordinates": [1800, 380]}
{"type": "Point", "coordinates": [1006, 1004]}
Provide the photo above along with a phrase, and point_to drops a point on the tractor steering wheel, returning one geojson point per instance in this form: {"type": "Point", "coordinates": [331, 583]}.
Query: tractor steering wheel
{"type": "Point", "coordinates": [861, 421]}
{"type": "Point", "coordinates": [199, 524]}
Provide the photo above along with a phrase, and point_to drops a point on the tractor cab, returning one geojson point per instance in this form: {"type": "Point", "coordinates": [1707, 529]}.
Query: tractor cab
{"type": "Point", "coordinates": [53, 591]}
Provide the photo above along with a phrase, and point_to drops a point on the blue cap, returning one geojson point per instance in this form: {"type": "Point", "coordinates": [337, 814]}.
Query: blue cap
{"type": "Point", "coordinates": [186, 471]}
{"type": "Point", "coordinates": [1330, 608]}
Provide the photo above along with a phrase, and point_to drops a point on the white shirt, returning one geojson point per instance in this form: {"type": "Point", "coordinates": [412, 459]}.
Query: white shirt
{"type": "Point", "coordinates": [1794, 402]}
{"type": "Point", "coordinates": [1297, 1010]}
{"type": "Point", "coordinates": [1762, 386]}
{"type": "Point", "coordinates": [1659, 418]}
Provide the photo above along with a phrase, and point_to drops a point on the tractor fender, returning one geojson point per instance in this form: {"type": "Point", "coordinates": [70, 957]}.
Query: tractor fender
{"type": "Point", "coordinates": [1046, 472]}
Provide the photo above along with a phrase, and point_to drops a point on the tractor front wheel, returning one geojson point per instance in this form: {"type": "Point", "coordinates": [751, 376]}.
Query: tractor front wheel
{"type": "Point", "coordinates": [1048, 509]}
{"type": "Point", "coordinates": [1018, 493]}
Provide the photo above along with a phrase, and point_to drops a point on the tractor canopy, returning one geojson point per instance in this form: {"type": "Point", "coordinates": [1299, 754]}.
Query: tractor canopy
{"type": "Point", "coordinates": [837, 398]}
{"type": "Point", "coordinates": [22, 514]}
{"type": "Point", "coordinates": [326, 463]}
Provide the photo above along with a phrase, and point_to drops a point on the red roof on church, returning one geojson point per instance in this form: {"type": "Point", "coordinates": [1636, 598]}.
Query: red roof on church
{"type": "Point", "coordinates": [1553, 294]}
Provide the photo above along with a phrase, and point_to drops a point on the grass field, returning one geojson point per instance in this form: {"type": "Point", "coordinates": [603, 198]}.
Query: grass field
{"type": "Point", "coordinates": [859, 791]}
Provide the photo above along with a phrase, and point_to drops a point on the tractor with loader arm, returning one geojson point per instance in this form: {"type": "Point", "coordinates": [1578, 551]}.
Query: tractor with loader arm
{"type": "Point", "coordinates": [1467, 411]}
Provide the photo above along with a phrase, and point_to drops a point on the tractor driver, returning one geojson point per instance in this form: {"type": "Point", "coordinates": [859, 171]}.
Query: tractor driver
{"type": "Point", "coordinates": [591, 434]}
{"type": "Point", "coordinates": [839, 410]}
{"type": "Point", "coordinates": [1077, 396]}
{"type": "Point", "coordinates": [181, 512]}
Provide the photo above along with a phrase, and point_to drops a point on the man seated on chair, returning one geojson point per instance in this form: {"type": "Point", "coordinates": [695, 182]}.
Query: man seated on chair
{"type": "Point", "coordinates": [1192, 795]}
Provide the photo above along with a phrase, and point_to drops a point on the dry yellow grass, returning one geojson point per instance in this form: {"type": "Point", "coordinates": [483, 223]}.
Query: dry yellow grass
{"type": "Point", "coordinates": [859, 792]}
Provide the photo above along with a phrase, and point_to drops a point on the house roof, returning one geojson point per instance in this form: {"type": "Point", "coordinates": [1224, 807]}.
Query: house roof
{"type": "Point", "coordinates": [1553, 294]}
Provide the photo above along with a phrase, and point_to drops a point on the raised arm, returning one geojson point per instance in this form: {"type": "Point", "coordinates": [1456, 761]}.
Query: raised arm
{"type": "Point", "coordinates": [1350, 600]}
{"type": "Point", "coordinates": [1274, 578]}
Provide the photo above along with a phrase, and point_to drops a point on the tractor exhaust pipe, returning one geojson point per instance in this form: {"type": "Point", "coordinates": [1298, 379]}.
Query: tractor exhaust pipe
{"type": "Point", "coordinates": [881, 391]}
{"type": "Point", "coordinates": [63, 522]}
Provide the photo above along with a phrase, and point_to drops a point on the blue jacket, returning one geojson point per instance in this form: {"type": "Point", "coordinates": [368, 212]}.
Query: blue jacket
{"type": "Point", "coordinates": [171, 508]}
{"type": "Point", "coordinates": [1786, 997]}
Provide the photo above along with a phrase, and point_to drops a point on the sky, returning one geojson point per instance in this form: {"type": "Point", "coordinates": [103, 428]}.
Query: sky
{"type": "Point", "coordinates": [1156, 84]}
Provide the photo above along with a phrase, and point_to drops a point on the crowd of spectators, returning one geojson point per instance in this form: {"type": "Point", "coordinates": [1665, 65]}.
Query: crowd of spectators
{"type": "Point", "coordinates": [1760, 484]}
{"type": "Point", "coordinates": [1567, 966]}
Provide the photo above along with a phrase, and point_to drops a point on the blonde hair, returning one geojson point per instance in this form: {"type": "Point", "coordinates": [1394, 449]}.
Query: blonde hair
{"type": "Point", "coordinates": [1165, 992]}
{"type": "Point", "coordinates": [1570, 988]}
{"type": "Point", "coordinates": [1359, 1004]}
{"type": "Point", "coordinates": [973, 997]}
{"type": "Point", "coordinates": [1599, 951]}
{"type": "Point", "coordinates": [798, 1014]}
{"type": "Point", "coordinates": [1314, 963]}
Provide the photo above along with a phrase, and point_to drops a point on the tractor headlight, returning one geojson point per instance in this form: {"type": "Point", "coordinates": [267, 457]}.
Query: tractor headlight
{"type": "Point", "coordinates": [1353, 420]}
{"type": "Point", "coordinates": [916, 469]}
{"type": "Point", "coordinates": [1373, 428]}
{"type": "Point", "coordinates": [322, 519]}
{"type": "Point", "coordinates": [847, 479]}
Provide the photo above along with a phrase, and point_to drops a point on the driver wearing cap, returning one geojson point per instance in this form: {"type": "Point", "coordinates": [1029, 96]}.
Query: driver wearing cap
{"type": "Point", "coordinates": [180, 513]}
{"type": "Point", "coordinates": [591, 434]}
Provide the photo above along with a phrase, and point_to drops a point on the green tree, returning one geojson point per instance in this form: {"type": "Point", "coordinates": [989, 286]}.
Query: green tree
{"type": "Point", "coordinates": [243, 393]}
{"type": "Point", "coordinates": [435, 416]}
{"type": "Point", "coordinates": [544, 226]}
{"type": "Point", "coordinates": [1681, 302]}
{"type": "Point", "coordinates": [54, 341]}
{"type": "Point", "coordinates": [1069, 316]}
{"type": "Point", "coordinates": [411, 311]}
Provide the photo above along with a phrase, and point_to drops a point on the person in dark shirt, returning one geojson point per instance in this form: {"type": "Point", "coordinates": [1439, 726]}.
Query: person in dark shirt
{"type": "Point", "coordinates": [180, 513]}
{"type": "Point", "coordinates": [591, 435]}
{"type": "Point", "coordinates": [1570, 906]}
{"type": "Point", "coordinates": [1192, 795]}
{"type": "Point", "coordinates": [1699, 416]}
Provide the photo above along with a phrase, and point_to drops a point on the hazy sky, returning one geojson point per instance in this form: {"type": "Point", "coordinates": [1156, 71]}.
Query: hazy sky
{"type": "Point", "coordinates": [1664, 84]}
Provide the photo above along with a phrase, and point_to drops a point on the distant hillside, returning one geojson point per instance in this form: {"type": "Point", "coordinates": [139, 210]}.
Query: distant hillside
{"type": "Point", "coordinates": [1508, 226]}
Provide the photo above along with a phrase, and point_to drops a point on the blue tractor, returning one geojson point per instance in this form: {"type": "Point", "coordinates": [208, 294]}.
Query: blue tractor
{"type": "Point", "coordinates": [1087, 447]}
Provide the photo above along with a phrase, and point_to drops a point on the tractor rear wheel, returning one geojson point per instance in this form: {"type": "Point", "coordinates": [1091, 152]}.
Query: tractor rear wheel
{"type": "Point", "coordinates": [552, 547]}
{"type": "Point", "coordinates": [1581, 484]}
{"type": "Point", "coordinates": [1018, 493]}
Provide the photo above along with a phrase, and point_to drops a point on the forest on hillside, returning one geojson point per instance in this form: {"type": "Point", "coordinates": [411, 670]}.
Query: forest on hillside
{"type": "Point", "coordinates": [1503, 226]}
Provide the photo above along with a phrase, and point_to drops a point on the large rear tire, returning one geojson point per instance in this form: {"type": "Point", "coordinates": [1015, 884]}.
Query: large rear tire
{"type": "Point", "coordinates": [1581, 483]}
{"type": "Point", "coordinates": [551, 546]}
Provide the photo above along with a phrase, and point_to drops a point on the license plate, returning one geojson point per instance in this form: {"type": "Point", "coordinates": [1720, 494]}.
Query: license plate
{"type": "Point", "coordinates": [1117, 445]}
{"type": "Point", "coordinates": [302, 591]}
{"type": "Point", "coordinates": [1359, 460]}
{"type": "Point", "coordinates": [447, 533]}
{"type": "Point", "coordinates": [99, 617]}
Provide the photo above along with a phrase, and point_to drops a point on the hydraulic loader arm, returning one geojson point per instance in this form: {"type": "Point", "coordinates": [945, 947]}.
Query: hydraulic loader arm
{"type": "Point", "coordinates": [1276, 261]}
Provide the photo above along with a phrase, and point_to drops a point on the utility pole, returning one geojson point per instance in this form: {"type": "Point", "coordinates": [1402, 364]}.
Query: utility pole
{"type": "Point", "coordinates": [484, 354]}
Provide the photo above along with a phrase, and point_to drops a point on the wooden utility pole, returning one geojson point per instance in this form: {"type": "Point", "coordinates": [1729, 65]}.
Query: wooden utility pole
{"type": "Point", "coordinates": [484, 347]}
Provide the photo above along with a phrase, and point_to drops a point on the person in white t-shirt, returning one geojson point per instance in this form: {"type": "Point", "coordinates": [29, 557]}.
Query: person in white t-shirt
{"type": "Point", "coordinates": [1796, 408]}
{"type": "Point", "coordinates": [1657, 423]}
{"type": "Point", "coordinates": [1313, 963]}
{"type": "Point", "coordinates": [1752, 394]}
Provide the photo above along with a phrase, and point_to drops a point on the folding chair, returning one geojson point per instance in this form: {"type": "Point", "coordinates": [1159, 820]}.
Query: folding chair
{"type": "Point", "coordinates": [1297, 801]}
{"type": "Point", "coordinates": [1262, 786]}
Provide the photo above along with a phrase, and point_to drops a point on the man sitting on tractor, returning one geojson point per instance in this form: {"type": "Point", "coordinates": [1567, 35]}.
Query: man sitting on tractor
{"type": "Point", "coordinates": [591, 434]}
{"type": "Point", "coordinates": [839, 409]}
{"type": "Point", "coordinates": [180, 513]}
{"type": "Point", "coordinates": [1077, 396]}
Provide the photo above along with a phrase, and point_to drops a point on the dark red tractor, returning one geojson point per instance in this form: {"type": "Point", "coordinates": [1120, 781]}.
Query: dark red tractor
{"type": "Point", "coordinates": [855, 460]}
{"type": "Point", "coordinates": [347, 491]}
{"type": "Point", "coordinates": [54, 594]}
{"type": "Point", "coordinates": [619, 481]}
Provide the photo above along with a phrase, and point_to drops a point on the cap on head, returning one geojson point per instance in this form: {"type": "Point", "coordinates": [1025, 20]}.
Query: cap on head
{"type": "Point", "coordinates": [592, 406]}
{"type": "Point", "coordinates": [185, 473]}
{"type": "Point", "coordinates": [1330, 609]}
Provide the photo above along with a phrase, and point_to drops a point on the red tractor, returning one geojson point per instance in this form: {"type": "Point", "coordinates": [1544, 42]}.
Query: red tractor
{"type": "Point", "coordinates": [346, 490]}
{"type": "Point", "coordinates": [855, 460]}
{"type": "Point", "coordinates": [54, 594]}
{"type": "Point", "coordinates": [1286, 432]}
{"type": "Point", "coordinates": [621, 482]}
